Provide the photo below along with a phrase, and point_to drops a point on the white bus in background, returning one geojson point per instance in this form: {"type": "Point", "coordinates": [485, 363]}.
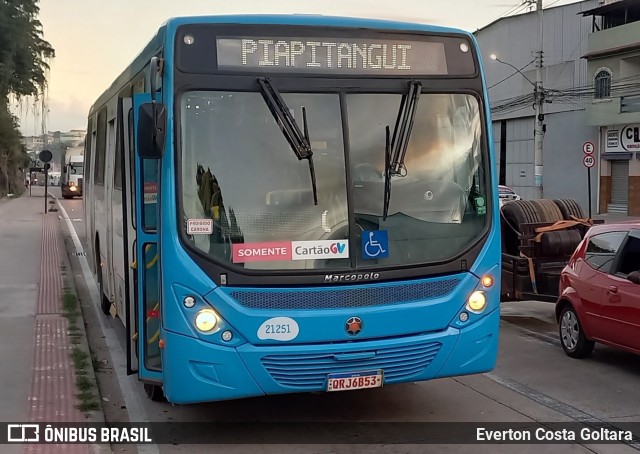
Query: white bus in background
{"type": "Point", "coordinates": [71, 173]}
{"type": "Point", "coordinates": [54, 178]}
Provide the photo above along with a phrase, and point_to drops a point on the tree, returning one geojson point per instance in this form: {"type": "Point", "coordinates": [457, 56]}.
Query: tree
{"type": "Point", "coordinates": [12, 154]}
{"type": "Point", "coordinates": [23, 68]}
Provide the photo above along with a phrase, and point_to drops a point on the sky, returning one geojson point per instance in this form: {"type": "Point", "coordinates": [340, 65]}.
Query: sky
{"type": "Point", "coordinates": [95, 40]}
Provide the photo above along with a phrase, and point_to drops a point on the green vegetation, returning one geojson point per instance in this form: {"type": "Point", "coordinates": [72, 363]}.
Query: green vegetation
{"type": "Point", "coordinates": [23, 66]}
{"type": "Point", "coordinates": [69, 304]}
{"type": "Point", "coordinates": [80, 358]}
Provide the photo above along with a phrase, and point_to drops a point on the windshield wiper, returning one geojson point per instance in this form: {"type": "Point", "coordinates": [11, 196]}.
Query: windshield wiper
{"type": "Point", "coordinates": [403, 127]}
{"type": "Point", "coordinates": [299, 141]}
{"type": "Point", "coordinates": [387, 174]}
{"type": "Point", "coordinates": [396, 148]}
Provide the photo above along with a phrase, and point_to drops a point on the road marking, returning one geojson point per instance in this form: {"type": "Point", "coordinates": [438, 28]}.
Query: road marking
{"type": "Point", "coordinates": [568, 410]}
{"type": "Point", "coordinates": [548, 401]}
{"type": "Point", "coordinates": [543, 337]}
{"type": "Point", "coordinates": [131, 397]}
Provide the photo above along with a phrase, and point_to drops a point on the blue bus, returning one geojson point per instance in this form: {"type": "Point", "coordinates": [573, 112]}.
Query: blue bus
{"type": "Point", "coordinates": [279, 204]}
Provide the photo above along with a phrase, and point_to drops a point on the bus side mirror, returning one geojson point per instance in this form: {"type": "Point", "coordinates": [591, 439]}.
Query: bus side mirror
{"type": "Point", "coordinates": [151, 130]}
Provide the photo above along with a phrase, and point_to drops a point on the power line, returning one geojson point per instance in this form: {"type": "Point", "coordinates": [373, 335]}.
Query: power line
{"type": "Point", "coordinates": [516, 102]}
{"type": "Point", "coordinates": [620, 85]}
{"type": "Point", "coordinates": [519, 9]}
{"type": "Point", "coordinates": [564, 96]}
{"type": "Point", "coordinates": [508, 77]}
{"type": "Point", "coordinates": [522, 8]}
{"type": "Point", "coordinates": [510, 10]}
{"type": "Point", "coordinates": [512, 110]}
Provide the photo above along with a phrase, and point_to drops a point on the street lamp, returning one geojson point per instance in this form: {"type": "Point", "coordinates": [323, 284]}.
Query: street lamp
{"type": "Point", "coordinates": [538, 129]}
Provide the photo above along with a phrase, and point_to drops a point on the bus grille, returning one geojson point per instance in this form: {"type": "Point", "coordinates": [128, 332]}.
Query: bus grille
{"type": "Point", "coordinates": [309, 371]}
{"type": "Point", "coordinates": [80, 183]}
{"type": "Point", "coordinates": [395, 293]}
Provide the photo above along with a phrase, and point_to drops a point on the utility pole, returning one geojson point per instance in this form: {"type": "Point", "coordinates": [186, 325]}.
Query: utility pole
{"type": "Point", "coordinates": [538, 132]}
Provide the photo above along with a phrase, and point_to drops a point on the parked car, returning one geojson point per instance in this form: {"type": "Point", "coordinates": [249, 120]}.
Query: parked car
{"type": "Point", "coordinates": [506, 194]}
{"type": "Point", "coordinates": [600, 291]}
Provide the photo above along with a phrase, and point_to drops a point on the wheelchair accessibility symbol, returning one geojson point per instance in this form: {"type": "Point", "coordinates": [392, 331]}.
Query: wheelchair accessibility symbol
{"type": "Point", "coordinates": [375, 244]}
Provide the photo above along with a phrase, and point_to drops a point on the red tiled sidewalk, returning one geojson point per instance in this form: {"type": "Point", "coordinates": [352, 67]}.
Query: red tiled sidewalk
{"type": "Point", "coordinates": [53, 392]}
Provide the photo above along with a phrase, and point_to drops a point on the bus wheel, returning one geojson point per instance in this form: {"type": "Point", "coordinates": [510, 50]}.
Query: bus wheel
{"type": "Point", "coordinates": [154, 392]}
{"type": "Point", "coordinates": [105, 304]}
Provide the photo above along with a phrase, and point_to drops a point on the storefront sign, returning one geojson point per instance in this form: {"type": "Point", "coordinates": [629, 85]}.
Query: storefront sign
{"type": "Point", "coordinates": [623, 138]}
{"type": "Point", "coordinates": [630, 137]}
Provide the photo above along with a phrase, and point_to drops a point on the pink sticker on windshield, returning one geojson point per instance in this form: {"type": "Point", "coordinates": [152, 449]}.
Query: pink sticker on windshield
{"type": "Point", "coordinates": [261, 252]}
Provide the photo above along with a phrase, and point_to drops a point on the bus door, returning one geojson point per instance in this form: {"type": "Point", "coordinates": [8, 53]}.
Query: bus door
{"type": "Point", "coordinates": [129, 216]}
{"type": "Point", "coordinates": [145, 272]}
{"type": "Point", "coordinates": [111, 224]}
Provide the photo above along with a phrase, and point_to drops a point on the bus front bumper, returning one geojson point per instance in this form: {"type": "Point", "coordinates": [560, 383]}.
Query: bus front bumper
{"type": "Point", "coordinates": [197, 371]}
{"type": "Point", "coordinates": [67, 192]}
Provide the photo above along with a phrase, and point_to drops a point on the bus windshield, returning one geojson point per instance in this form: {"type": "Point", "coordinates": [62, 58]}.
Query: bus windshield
{"type": "Point", "coordinates": [240, 176]}
{"type": "Point", "coordinates": [76, 169]}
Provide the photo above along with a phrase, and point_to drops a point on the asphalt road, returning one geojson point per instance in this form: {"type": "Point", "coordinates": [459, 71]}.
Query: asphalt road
{"type": "Point", "coordinates": [534, 381]}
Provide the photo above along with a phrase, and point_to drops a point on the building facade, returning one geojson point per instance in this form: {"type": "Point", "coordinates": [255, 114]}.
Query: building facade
{"type": "Point", "coordinates": [613, 58]}
{"type": "Point", "coordinates": [565, 78]}
{"type": "Point", "coordinates": [74, 137]}
{"type": "Point", "coordinates": [36, 143]}
{"type": "Point", "coordinates": [71, 138]}
{"type": "Point", "coordinates": [56, 142]}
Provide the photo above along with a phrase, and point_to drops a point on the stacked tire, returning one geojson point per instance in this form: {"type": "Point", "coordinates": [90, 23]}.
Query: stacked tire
{"type": "Point", "coordinates": [514, 214]}
{"type": "Point", "coordinates": [552, 244]}
{"type": "Point", "coordinates": [569, 208]}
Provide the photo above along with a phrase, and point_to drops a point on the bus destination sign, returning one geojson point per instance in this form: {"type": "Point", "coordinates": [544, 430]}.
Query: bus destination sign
{"type": "Point", "coordinates": [339, 56]}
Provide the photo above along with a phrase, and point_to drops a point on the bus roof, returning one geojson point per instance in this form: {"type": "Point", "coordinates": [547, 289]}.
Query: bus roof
{"type": "Point", "coordinates": [156, 43]}
{"type": "Point", "coordinates": [317, 20]}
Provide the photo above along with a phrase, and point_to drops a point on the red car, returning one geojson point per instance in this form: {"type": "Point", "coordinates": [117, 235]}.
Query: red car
{"type": "Point", "coordinates": [600, 291]}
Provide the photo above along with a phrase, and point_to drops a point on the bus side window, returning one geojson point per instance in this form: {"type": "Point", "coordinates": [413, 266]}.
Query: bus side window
{"type": "Point", "coordinates": [132, 165]}
{"type": "Point", "coordinates": [150, 194]}
{"type": "Point", "coordinates": [101, 148]}
{"type": "Point", "coordinates": [87, 150]}
{"type": "Point", "coordinates": [117, 170]}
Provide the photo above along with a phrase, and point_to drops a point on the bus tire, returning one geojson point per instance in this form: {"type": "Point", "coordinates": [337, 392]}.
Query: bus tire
{"type": "Point", "coordinates": [105, 304]}
{"type": "Point", "coordinates": [154, 392]}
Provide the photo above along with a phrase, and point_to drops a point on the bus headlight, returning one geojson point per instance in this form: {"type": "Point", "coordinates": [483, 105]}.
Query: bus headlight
{"type": "Point", "coordinates": [206, 320]}
{"type": "Point", "coordinates": [72, 188]}
{"type": "Point", "coordinates": [71, 183]}
{"type": "Point", "coordinates": [477, 302]}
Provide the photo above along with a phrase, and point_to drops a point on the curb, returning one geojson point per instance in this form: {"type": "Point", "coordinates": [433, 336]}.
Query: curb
{"type": "Point", "coordinates": [96, 416]}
